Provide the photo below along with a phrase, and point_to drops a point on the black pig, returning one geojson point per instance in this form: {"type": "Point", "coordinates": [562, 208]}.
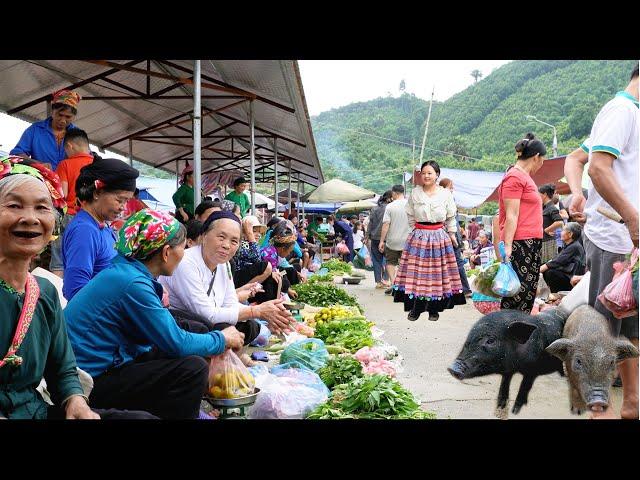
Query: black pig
{"type": "Point", "coordinates": [509, 342]}
{"type": "Point", "coordinates": [590, 353]}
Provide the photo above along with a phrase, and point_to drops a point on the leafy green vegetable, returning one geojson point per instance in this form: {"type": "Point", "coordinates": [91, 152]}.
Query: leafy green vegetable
{"type": "Point", "coordinates": [484, 279]}
{"type": "Point", "coordinates": [351, 333]}
{"type": "Point", "coordinates": [322, 295]}
{"type": "Point", "coordinates": [337, 266]}
{"type": "Point", "coordinates": [371, 397]}
{"type": "Point", "coordinates": [340, 370]}
{"type": "Point", "coordinates": [320, 278]}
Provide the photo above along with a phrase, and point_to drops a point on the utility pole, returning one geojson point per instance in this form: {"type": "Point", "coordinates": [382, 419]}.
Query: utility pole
{"type": "Point", "coordinates": [426, 129]}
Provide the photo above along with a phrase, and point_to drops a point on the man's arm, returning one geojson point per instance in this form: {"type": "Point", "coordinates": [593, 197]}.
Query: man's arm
{"type": "Point", "coordinates": [573, 171]}
{"type": "Point", "coordinates": [383, 236]}
{"type": "Point", "coordinates": [605, 183]}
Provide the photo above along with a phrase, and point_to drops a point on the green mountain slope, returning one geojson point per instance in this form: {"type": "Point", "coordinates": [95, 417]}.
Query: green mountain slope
{"type": "Point", "coordinates": [483, 122]}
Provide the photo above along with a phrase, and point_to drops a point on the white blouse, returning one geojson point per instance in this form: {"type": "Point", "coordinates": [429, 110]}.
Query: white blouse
{"type": "Point", "coordinates": [435, 209]}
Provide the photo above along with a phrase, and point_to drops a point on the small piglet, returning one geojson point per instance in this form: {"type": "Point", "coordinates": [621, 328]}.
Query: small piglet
{"type": "Point", "coordinates": [509, 342]}
{"type": "Point", "coordinates": [590, 354]}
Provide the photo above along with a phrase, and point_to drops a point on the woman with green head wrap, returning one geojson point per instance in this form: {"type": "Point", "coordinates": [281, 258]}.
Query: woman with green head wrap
{"type": "Point", "coordinates": [127, 341]}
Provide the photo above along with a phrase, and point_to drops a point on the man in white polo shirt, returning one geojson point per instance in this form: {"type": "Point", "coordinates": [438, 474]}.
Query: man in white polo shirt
{"type": "Point", "coordinates": [394, 233]}
{"type": "Point", "coordinates": [614, 170]}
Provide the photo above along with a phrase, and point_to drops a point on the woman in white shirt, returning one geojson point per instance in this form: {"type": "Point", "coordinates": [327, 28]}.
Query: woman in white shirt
{"type": "Point", "coordinates": [202, 284]}
{"type": "Point", "coordinates": [428, 278]}
{"type": "Point", "coordinates": [358, 236]}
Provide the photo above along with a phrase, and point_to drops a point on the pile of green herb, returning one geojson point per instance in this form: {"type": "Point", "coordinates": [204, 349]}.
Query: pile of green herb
{"type": "Point", "coordinates": [371, 397]}
{"type": "Point", "coordinates": [320, 278]}
{"type": "Point", "coordinates": [351, 333]}
{"type": "Point", "coordinates": [336, 266]}
{"type": "Point", "coordinates": [340, 370]}
{"type": "Point", "coordinates": [484, 279]}
{"type": "Point", "coordinates": [323, 295]}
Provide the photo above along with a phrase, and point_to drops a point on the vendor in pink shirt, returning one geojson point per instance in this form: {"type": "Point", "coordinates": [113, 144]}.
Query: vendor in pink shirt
{"type": "Point", "coordinates": [520, 221]}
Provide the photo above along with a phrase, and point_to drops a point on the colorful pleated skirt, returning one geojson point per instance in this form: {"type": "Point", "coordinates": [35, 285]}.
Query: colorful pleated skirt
{"type": "Point", "coordinates": [428, 277]}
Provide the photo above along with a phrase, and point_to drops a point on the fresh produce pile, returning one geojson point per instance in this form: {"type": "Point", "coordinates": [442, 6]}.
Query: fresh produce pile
{"type": "Point", "coordinates": [343, 355]}
{"type": "Point", "coordinates": [331, 313]}
{"type": "Point", "coordinates": [320, 278]}
{"type": "Point", "coordinates": [320, 295]}
{"type": "Point", "coordinates": [340, 369]}
{"type": "Point", "coordinates": [337, 267]}
{"type": "Point", "coordinates": [351, 333]}
{"type": "Point", "coordinates": [371, 397]}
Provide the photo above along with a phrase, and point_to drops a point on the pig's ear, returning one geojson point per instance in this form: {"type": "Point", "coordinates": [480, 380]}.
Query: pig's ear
{"type": "Point", "coordinates": [560, 348]}
{"type": "Point", "coordinates": [625, 349]}
{"type": "Point", "coordinates": [520, 331]}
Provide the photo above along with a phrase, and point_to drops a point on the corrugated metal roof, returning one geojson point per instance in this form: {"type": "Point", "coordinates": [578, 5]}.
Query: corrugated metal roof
{"type": "Point", "coordinates": [150, 101]}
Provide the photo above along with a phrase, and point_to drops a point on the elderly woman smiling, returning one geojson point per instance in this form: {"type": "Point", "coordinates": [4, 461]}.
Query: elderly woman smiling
{"type": "Point", "coordinates": [33, 337]}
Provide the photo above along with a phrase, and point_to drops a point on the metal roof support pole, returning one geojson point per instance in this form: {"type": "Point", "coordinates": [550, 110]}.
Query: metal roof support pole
{"type": "Point", "coordinates": [48, 107]}
{"type": "Point", "coordinates": [253, 158]}
{"type": "Point", "coordinates": [197, 134]}
{"type": "Point", "coordinates": [289, 204]}
{"type": "Point", "coordinates": [298, 189]}
{"type": "Point", "coordinates": [275, 178]}
{"type": "Point", "coordinates": [131, 152]}
{"type": "Point", "coordinates": [177, 174]}
{"type": "Point", "coordinates": [302, 200]}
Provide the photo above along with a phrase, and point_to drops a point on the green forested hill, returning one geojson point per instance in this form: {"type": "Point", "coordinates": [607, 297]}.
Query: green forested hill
{"type": "Point", "coordinates": [484, 121]}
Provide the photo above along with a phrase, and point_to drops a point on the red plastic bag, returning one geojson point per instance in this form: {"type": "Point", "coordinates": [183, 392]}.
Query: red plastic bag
{"type": "Point", "coordinates": [618, 297]}
{"type": "Point", "coordinates": [342, 248]}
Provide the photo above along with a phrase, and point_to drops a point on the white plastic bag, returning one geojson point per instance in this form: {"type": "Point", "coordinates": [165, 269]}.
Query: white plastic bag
{"type": "Point", "coordinates": [578, 296]}
{"type": "Point", "coordinates": [286, 398]}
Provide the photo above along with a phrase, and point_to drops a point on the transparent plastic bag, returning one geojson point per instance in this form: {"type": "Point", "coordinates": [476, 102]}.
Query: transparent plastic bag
{"type": "Point", "coordinates": [310, 352]}
{"type": "Point", "coordinates": [228, 377]}
{"type": "Point", "coordinates": [506, 282]}
{"type": "Point", "coordinates": [286, 397]}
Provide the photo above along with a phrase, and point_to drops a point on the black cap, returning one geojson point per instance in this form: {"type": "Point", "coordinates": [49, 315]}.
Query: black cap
{"type": "Point", "coordinates": [113, 173]}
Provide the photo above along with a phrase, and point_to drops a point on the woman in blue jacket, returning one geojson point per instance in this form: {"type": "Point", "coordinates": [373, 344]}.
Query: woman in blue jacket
{"type": "Point", "coordinates": [127, 341]}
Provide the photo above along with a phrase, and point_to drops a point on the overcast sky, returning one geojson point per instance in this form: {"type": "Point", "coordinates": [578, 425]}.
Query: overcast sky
{"type": "Point", "coordinates": [334, 83]}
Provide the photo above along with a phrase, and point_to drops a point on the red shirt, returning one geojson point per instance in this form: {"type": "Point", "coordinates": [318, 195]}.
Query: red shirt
{"type": "Point", "coordinates": [518, 185]}
{"type": "Point", "coordinates": [69, 170]}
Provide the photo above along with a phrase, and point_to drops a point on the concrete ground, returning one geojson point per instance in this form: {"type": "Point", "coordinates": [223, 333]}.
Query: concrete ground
{"type": "Point", "coordinates": [429, 347]}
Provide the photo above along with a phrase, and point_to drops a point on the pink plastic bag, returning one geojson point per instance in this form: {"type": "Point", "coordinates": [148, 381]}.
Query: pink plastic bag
{"type": "Point", "coordinates": [618, 295]}
{"type": "Point", "coordinates": [342, 248]}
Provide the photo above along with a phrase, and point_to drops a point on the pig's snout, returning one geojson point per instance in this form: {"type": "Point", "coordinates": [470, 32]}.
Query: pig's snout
{"type": "Point", "coordinates": [457, 369]}
{"type": "Point", "coordinates": [598, 401]}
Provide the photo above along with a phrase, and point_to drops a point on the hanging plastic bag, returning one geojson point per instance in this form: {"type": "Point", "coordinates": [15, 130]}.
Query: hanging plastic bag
{"type": "Point", "coordinates": [342, 248]}
{"type": "Point", "coordinates": [506, 282]}
{"type": "Point", "coordinates": [228, 377]}
{"type": "Point", "coordinates": [366, 256]}
{"type": "Point", "coordinates": [618, 295]}
{"type": "Point", "coordinates": [309, 352]}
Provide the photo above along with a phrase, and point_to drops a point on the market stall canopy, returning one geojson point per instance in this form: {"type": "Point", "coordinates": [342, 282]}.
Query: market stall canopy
{"type": "Point", "coordinates": [319, 208]}
{"type": "Point", "coordinates": [336, 190]}
{"type": "Point", "coordinates": [283, 195]}
{"type": "Point", "coordinates": [355, 207]}
{"type": "Point", "coordinates": [145, 195]}
{"type": "Point", "coordinates": [150, 103]}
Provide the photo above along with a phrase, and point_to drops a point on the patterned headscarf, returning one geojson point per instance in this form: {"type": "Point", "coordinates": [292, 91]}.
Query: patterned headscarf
{"type": "Point", "coordinates": [144, 232]}
{"type": "Point", "coordinates": [185, 171]}
{"type": "Point", "coordinates": [12, 165]}
{"type": "Point", "coordinates": [66, 97]}
{"type": "Point", "coordinates": [284, 233]}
